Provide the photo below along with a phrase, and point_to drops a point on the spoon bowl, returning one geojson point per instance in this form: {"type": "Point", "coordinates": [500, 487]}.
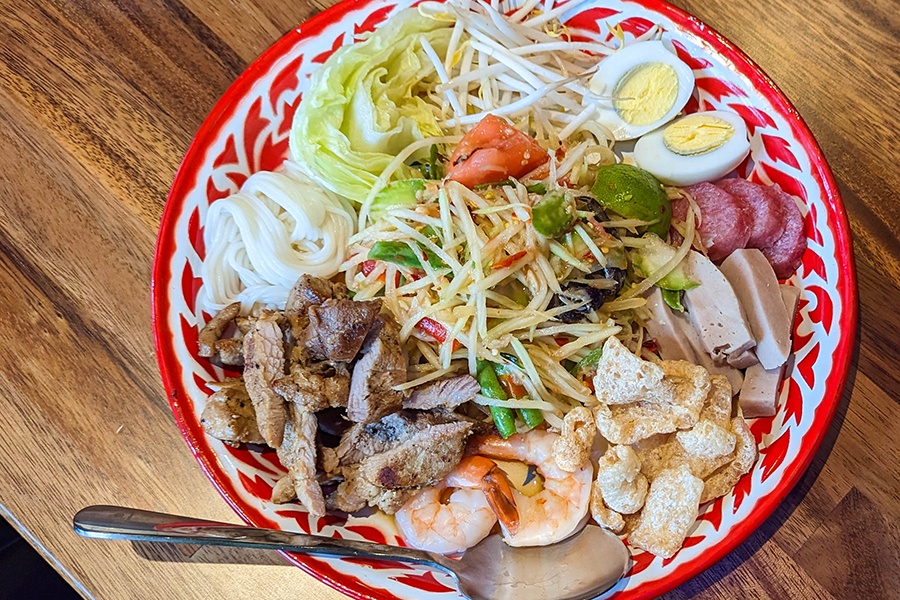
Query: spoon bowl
{"type": "Point", "coordinates": [581, 566]}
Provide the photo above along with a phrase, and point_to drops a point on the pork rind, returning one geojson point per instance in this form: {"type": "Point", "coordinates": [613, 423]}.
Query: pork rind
{"type": "Point", "coordinates": [623, 377]}
{"type": "Point", "coordinates": [620, 480]}
{"type": "Point", "coordinates": [724, 479]}
{"type": "Point", "coordinates": [717, 406]}
{"type": "Point", "coordinates": [669, 512]}
{"type": "Point", "coordinates": [656, 453]}
{"type": "Point", "coordinates": [703, 449]}
{"type": "Point", "coordinates": [706, 440]}
{"type": "Point", "coordinates": [692, 384]}
{"type": "Point", "coordinates": [629, 423]}
{"type": "Point", "coordinates": [670, 424]}
{"type": "Point", "coordinates": [603, 515]}
{"type": "Point", "coordinates": [675, 403]}
{"type": "Point", "coordinates": [572, 449]}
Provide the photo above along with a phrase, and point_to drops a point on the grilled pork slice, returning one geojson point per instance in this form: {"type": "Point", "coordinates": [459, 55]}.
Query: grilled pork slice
{"type": "Point", "coordinates": [263, 364]}
{"type": "Point", "coordinates": [315, 386]}
{"type": "Point", "coordinates": [230, 351]}
{"type": "Point", "coordinates": [297, 453]}
{"type": "Point", "coordinates": [380, 367]}
{"type": "Point", "coordinates": [388, 479]}
{"type": "Point", "coordinates": [229, 415]}
{"type": "Point", "coordinates": [443, 393]}
{"type": "Point", "coordinates": [307, 292]}
{"type": "Point", "coordinates": [338, 327]}
{"type": "Point", "coordinates": [209, 342]}
{"type": "Point", "coordinates": [212, 331]}
{"type": "Point", "coordinates": [364, 440]}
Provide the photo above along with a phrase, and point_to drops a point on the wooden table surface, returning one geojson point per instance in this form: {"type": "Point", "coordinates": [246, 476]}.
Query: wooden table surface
{"type": "Point", "coordinates": [98, 103]}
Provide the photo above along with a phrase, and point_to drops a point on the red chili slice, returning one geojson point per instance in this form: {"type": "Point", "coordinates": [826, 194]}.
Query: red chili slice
{"type": "Point", "coordinates": [435, 330]}
{"type": "Point", "coordinates": [509, 260]}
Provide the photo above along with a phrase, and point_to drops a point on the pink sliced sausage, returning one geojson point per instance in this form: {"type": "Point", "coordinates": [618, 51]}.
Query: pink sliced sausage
{"type": "Point", "coordinates": [725, 222]}
{"type": "Point", "coordinates": [766, 210]}
{"type": "Point", "coordinates": [786, 253]}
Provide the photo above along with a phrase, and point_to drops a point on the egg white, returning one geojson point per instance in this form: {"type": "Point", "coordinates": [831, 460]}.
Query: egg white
{"type": "Point", "coordinates": [651, 154]}
{"type": "Point", "coordinates": [615, 66]}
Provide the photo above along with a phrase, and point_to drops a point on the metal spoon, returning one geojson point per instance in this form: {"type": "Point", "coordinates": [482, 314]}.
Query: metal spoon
{"type": "Point", "coordinates": [582, 566]}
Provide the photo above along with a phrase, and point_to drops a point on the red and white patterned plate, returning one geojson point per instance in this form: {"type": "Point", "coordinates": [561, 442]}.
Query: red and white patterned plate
{"type": "Point", "coordinates": [247, 131]}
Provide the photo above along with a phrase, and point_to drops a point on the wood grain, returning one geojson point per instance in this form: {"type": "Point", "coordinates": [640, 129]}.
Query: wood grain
{"type": "Point", "coordinates": [98, 102]}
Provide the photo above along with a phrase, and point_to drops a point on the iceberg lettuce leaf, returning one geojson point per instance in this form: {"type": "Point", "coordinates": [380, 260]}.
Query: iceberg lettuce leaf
{"type": "Point", "coordinates": [365, 105]}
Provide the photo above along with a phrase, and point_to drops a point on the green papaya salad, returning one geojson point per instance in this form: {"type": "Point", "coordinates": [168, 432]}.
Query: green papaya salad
{"type": "Point", "coordinates": [498, 224]}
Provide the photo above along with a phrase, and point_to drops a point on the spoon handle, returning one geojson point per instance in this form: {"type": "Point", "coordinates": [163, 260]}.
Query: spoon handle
{"type": "Point", "coordinates": [117, 522]}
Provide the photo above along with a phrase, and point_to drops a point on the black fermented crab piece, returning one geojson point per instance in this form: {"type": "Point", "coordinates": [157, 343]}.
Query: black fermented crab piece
{"type": "Point", "coordinates": [589, 203]}
{"type": "Point", "coordinates": [576, 292]}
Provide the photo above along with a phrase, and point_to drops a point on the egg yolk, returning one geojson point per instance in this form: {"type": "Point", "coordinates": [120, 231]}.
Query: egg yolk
{"type": "Point", "coordinates": [697, 134]}
{"type": "Point", "coordinates": [646, 93]}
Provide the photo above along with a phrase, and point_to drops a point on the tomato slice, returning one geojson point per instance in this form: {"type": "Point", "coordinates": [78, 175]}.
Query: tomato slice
{"type": "Point", "coordinates": [367, 266]}
{"type": "Point", "coordinates": [492, 151]}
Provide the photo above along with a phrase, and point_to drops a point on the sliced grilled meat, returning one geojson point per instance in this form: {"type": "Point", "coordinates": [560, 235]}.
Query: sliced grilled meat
{"type": "Point", "coordinates": [315, 386]}
{"type": "Point", "coordinates": [212, 331]}
{"type": "Point", "coordinates": [230, 351]}
{"type": "Point", "coordinates": [389, 478]}
{"type": "Point", "coordinates": [380, 367]}
{"type": "Point", "coordinates": [338, 327]}
{"type": "Point", "coordinates": [446, 393]}
{"type": "Point", "coordinates": [364, 440]}
{"type": "Point", "coordinates": [229, 415]}
{"type": "Point", "coordinates": [307, 292]}
{"type": "Point", "coordinates": [263, 364]}
{"type": "Point", "coordinates": [298, 454]}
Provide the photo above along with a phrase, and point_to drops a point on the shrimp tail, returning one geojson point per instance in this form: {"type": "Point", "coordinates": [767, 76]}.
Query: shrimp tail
{"type": "Point", "coordinates": [501, 500]}
{"type": "Point", "coordinates": [480, 472]}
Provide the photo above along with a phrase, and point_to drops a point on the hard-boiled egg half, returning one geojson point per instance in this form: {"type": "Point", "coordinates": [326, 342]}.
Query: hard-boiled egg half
{"type": "Point", "coordinates": [698, 147]}
{"type": "Point", "coordinates": [642, 86]}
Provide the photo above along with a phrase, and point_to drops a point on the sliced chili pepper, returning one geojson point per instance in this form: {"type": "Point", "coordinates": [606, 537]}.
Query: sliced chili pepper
{"type": "Point", "coordinates": [509, 260]}
{"type": "Point", "coordinates": [433, 328]}
{"type": "Point", "coordinates": [436, 330]}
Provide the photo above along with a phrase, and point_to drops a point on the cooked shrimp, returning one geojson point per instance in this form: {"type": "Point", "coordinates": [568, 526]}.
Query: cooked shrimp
{"type": "Point", "coordinates": [557, 511]}
{"type": "Point", "coordinates": [432, 521]}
